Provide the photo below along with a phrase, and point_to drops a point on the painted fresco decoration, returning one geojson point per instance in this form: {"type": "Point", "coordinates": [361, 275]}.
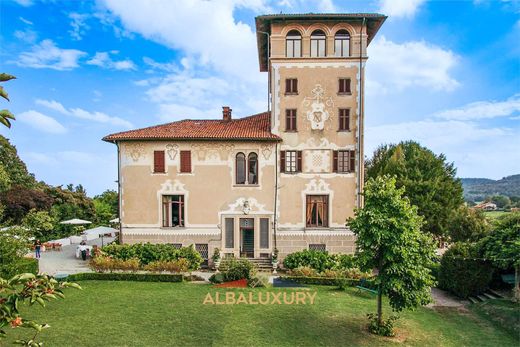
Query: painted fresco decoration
{"type": "Point", "coordinates": [266, 151]}
{"type": "Point", "coordinates": [317, 161]}
{"type": "Point", "coordinates": [212, 151]}
{"type": "Point", "coordinates": [172, 150]}
{"type": "Point", "coordinates": [135, 151]}
{"type": "Point", "coordinates": [318, 105]}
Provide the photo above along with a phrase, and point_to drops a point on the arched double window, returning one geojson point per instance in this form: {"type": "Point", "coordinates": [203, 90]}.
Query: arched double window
{"type": "Point", "coordinates": [247, 172]}
{"type": "Point", "coordinates": [318, 43]}
{"type": "Point", "coordinates": [342, 44]}
{"type": "Point", "coordinates": [293, 44]}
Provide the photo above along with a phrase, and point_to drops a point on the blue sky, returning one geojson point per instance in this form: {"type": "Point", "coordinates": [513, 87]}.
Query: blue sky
{"type": "Point", "coordinates": [444, 73]}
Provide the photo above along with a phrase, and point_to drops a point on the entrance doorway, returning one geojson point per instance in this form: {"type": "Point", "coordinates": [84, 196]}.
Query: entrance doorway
{"type": "Point", "coordinates": [247, 237]}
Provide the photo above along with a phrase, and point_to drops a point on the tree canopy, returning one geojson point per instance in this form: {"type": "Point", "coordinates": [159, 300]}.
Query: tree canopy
{"type": "Point", "coordinates": [428, 180]}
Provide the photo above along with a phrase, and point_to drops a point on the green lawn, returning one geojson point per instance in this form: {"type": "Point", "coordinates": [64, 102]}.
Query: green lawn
{"type": "Point", "coordinates": [492, 215]}
{"type": "Point", "coordinates": [166, 314]}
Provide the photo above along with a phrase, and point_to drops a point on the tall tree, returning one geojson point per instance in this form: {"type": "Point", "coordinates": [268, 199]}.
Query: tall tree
{"type": "Point", "coordinates": [428, 179]}
{"type": "Point", "coordinates": [468, 225]}
{"type": "Point", "coordinates": [13, 166]}
{"type": "Point", "coordinates": [5, 115]}
{"type": "Point", "coordinates": [389, 240]}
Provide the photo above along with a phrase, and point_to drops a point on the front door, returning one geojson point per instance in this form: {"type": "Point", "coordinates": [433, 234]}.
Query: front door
{"type": "Point", "coordinates": [247, 236]}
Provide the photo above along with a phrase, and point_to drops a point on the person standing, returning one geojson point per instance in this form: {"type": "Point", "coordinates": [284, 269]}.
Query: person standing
{"type": "Point", "coordinates": [38, 248]}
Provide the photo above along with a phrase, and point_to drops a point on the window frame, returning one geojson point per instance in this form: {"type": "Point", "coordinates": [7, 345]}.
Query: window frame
{"type": "Point", "coordinates": [344, 119]}
{"type": "Point", "coordinates": [319, 38]}
{"type": "Point", "coordinates": [159, 162]}
{"type": "Point", "coordinates": [293, 39]}
{"type": "Point", "coordinates": [344, 161]}
{"type": "Point", "coordinates": [249, 159]}
{"type": "Point", "coordinates": [244, 164]}
{"type": "Point", "coordinates": [314, 211]}
{"type": "Point", "coordinates": [167, 210]}
{"type": "Point", "coordinates": [291, 86]}
{"type": "Point", "coordinates": [185, 167]}
{"type": "Point", "coordinates": [341, 37]}
{"type": "Point", "coordinates": [247, 166]}
{"type": "Point", "coordinates": [347, 86]}
{"type": "Point", "coordinates": [291, 122]}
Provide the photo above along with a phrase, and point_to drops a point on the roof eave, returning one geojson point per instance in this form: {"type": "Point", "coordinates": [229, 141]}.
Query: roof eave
{"type": "Point", "coordinates": [187, 139]}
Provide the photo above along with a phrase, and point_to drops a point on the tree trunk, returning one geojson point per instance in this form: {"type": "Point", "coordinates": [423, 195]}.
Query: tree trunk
{"type": "Point", "coordinates": [380, 305]}
{"type": "Point", "coordinates": [517, 284]}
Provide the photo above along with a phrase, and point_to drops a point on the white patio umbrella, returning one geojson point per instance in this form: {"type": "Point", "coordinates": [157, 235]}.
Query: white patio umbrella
{"type": "Point", "coordinates": [115, 220]}
{"type": "Point", "coordinates": [101, 231]}
{"type": "Point", "coordinates": [75, 221]}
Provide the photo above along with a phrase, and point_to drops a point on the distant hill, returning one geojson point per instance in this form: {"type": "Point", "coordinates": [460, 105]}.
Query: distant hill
{"type": "Point", "coordinates": [476, 189]}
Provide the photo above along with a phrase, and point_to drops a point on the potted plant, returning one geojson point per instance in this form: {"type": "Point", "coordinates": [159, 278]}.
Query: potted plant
{"type": "Point", "coordinates": [274, 260]}
{"type": "Point", "coordinates": [216, 258]}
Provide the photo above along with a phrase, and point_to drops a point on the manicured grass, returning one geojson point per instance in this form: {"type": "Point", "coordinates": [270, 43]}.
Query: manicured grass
{"type": "Point", "coordinates": [492, 215]}
{"type": "Point", "coordinates": [166, 314]}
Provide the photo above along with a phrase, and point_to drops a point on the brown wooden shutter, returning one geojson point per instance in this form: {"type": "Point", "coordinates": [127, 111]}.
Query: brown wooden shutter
{"type": "Point", "coordinates": [340, 87]}
{"type": "Point", "coordinates": [287, 85]}
{"type": "Point", "coordinates": [282, 161]}
{"type": "Point", "coordinates": [299, 162]}
{"type": "Point", "coordinates": [294, 120]}
{"type": "Point", "coordinates": [295, 85]}
{"type": "Point", "coordinates": [347, 85]}
{"type": "Point", "coordinates": [334, 161]}
{"type": "Point", "coordinates": [347, 119]}
{"type": "Point", "coordinates": [158, 161]}
{"type": "Point", "coordinates": [185, 161]}
{"type": "Point", "coordinates": [352, 166]}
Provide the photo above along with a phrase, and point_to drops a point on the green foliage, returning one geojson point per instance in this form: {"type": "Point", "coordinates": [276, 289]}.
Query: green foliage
{"type": "Point", "coordinates": [28, 265]}
{"type": "Point", "coordinates": [476, 189]}
{"type": "Point", "coordinates": [468, 225]}
{"type": "Point", "coordinates": [13, 247]}
{"type": "Point", "coordinates": [429, 181]}
{"type": "Point", "coordinates": [217, 278]}
{"type": "Point", "coordinates": [389, 239]}
{"type": "Point", "coordinates": [502, 245]}
{"type": "Point", "coordinates": [101, 264]}
{"type": "Point", "coordinates": [14, 166]}
{"type": "Point", "coordinates": [122, 276]}
{"type": "Point", "coordinates": [462, 273]}
{"type": "Point", "coordinates": [237, 269]}
{"type": "Point", "coordinates": [147, 253]}
{"type": "Point", "coordinates": [5, 180]}
{"type": "Point", "coordinates": [106, 206]}
{"type": "Point", "coordinates": [318, 260]}
{"type": "Point", "coordinates": [385, 328]}
{"type": "Point", "coordinates": [30, 288]}
{"type": "Point", "coordinates": [5, 115]}
{"type": "Point", "coordinates": [19, 200]}
{"type": "Point", "coordinates": [303, 271]}
{"type": "Point", "coordinates": [39, 223]}
{"type": "Point", "coordinates": [177, 266]}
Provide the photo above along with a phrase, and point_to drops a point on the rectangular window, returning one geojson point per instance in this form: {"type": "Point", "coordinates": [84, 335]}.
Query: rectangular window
{"type": "Point", "coordinates": [291, 161]}
{"type": "Point", "coordinates": [230, 232]}
{"type": "Point", "coordinates": [344, 161]}
{"type": "Point", "coordinates": [186, 161]}
{"type": "Point", "coordinates": [291, 86]}
{"type": "Point", "coordinates": [177, 245]}
{"type": "Point", "coordinates": [317, 211]}
{"type": "Point", "coordinates": [264, 232]}
{"type": "Point", "coordinates": [158, 162]}
{"type": "Point", "coordinates": [344, 119]}
{"type": "Point", "coordinates": [290, 120]}
{"type": "Point", "coordinates": [318, 47]}
{"type": "Point", "coordinates": [294, 48]}
{"type": "Point", "coordinates": [202, 248]}
{"type": "Point", "coordinates": [344, 86]}
{"type": "Point", "coordinates": [317, 247]}
{"type": "Point", "coordinates": [173, 210]}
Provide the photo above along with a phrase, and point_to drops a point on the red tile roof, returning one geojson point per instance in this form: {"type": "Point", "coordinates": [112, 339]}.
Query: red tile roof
{"type": "Point", "coordinates": [255, 127]}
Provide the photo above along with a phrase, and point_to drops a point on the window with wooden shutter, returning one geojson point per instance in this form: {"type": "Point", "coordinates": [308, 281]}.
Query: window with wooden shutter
{"type": "Point", "coordinates": [158, 162]}
{"type": "Point", "coordinates": [290, 120]}
{"type": "Point", "coordinates": [230, 232]}
{"type": "Point", "coordinates": [185, 161]}
{"type": "Point", "coordinates": [264, 232]}
{"type": "Point", "coordinates": [352, 167]}
{"type": "Point", "coordinates": [334, 161]}
{"type": "Point", "coordinates": [344, 161]}
{"type": "Point", "coordinates": [291, 86]}
{"type": "Point", "coordinates": [282, 161]}
{"type": "Point", "coordinates": [344, 119]}
{"type": "Point", "coordinates": [291, 161]}
{"type": "Point", "coordinates": [299, 161]}
{"type": "Point", "coordinates": [344, 86]}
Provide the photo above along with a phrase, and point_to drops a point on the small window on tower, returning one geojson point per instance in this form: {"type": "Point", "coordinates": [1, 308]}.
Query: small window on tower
{"type": "Point", "coordinates": [291, 86]}
{"type": "Point", "coordinates": [344, 86]}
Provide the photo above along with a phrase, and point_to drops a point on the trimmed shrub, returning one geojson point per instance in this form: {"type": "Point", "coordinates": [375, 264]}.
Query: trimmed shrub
{"type": "Point", "coordinates": [148, 253]}
{"type": "Point", "coordinates": [461, 274]}
{"type": "Point", "coordinates": [29, 265]}
{"type": "Point", "coordinates": [319, 260]}
{"type": "Point", "coordinates": [179, 265]}
{"type": "Point", "coordinates": [101, 264]}
{"type": "Point", "coordinates": [237, 269]}
{"type": "Point", "coordinates": [125, 276]}
{"type": "Point", "coordinates": [303, 271]}
{"type": "Point", "coordinates": [217, 278]}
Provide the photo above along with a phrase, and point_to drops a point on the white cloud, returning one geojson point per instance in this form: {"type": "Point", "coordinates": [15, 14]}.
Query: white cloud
{"type": "Point", "coordinates": [27, 35]}
{"type": "Point", "coordinates": [25, 3]}
{"type": "Point", "coordinates": [41, 122]}
{"type": "Point", "coordinates": [26, 21]}
{"type": "Point", "coordinates": [47, 55]}
{"type": "Point", "coordinates": [83, 114]}
{"type": "Point", "coordinates": [399, 8]}
{"type": "Point", "coordinates": [103, 59]}
{"type": "Point", "coordinates": [78, 24]}
{"type": "Point", "coordinates": [168, 67]}
{"type": "Point", "coordinates": [484, 109]}
{"type": "Point", "coordinates": [394, 67]}
{"type": "Point", "coordinates": [214, 38]}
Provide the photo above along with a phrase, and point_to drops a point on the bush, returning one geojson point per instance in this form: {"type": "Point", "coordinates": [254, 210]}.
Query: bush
{"type": "Point", "coordinates": [385, 329]}
{"type": "Point", "coordinates": [29, 265]}
{"type": "Point", "coordinates": [217, 278]}
{"type": "Point", "coordinates": [148, 253]}
{"type": "Point", "coordinates": [319, 260]}
{"type": "Point", "coordinates": [461, 274]}
{"type": "Point", "coordinates": [303, 271]}
{"type": "Point", "coordinates": [179, 265]}
{"type": "Point", "coordinates": [122, 276]}
{"type": "Point", "coordinates": [101, 264]}
{"type": "Point", "coordinates": [237, 269]}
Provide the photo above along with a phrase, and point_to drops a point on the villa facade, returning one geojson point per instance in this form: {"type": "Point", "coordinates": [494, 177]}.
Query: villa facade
{"type": "Point", "coordinates": [285, 179]}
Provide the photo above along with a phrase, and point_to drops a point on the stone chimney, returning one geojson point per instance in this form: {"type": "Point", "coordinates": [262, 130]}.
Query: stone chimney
{"type": "Point", "coordinates": [226, 113]}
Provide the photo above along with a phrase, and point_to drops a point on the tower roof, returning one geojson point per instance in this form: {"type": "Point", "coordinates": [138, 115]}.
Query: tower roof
{"type": "Point", "coordinates": [263, 24]}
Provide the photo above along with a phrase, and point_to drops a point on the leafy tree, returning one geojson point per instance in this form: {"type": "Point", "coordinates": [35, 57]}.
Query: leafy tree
{"type": "Point", "coordinates": [29, 288]}
{"type": "Point", "coordinates": [5, 115]}
{"type": "Point", "coordinates": [429, 181]}
{"type": "Point", "coordinates": [13, 247]}
{"type": "Point", "coordinates": [14, 166]}
{"type": "Point", "coordinates": [468, 225]}
{"type": "Point", "coordinates": [19, 200]}
{"type": "Point", "coordinates": [502, 246]}
{"type": "Point", "coordinates": [500, 200]}
{"type": "Point", "coordinates": [40, 224]}
{"type": "Point", "coordinates": [389, 239]}
{"type": "Point", "coordinates": [107, 206]}
{"type": "Point", "coordinates": [5, 180]}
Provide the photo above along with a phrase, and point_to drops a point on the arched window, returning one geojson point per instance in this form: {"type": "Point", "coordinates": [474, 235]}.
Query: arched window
{"type": "Point", "coordinates": [318, 43]}
{"type": "Point", "coordinates": [252, 161]}
{"type": "Point", "coordinates": [293, 46]}
{"type": "Point", "coordinates": [241, 168]}
{"type": "Point", "coordinates": [342, 44]}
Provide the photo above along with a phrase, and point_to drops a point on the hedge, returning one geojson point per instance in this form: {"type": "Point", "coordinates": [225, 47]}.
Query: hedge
{"type": "Point", "coordinates": [319, 260]}
{"type": "Point", "coordinates": [123, 276]}
{"type": "Point", "coordinates": [324, 281]}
